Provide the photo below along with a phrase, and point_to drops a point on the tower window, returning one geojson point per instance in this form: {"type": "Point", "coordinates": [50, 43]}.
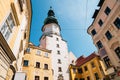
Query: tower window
{"type": "Point", "coordinates": [117, 22]}
{"type": "Point", "coordinates": [58, 46]}
{"type": "Point", "coordinates": [107, 61]}
{"type": "Point", "coordinates": [117, 51]}
{"type": "Point", "coordinates": [25, 63]}
{"type": "Point", "coordinates": [58, 52]}
{"type": "Point", "coordinates": [93, 32]}
{"type": "Point", "coordinates": [100, 22]}
{"type": "Point", "coordinates": [37, 64]}
{"type": "Point", "coordinates": [108, 35]}
{"type": "Point", "coordinates": [45, 66]}
{"type": "Point", "coordinates": [59, 61]}
{"type": "Point", "coordinates": [46, 78]}
{"type": "Point", "coordinates": [59, 69]}
{"type": "Point", "coordinates": [99, 44]}
{"type": "Point", "coordinates": [36, 77]}
{"type": "Point", "coordinates": [57, 39]}
{"type": "Point", "coordinates": [107, 10]}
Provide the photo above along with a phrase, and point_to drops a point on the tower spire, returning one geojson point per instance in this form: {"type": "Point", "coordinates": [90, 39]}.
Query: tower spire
{"type": "Point", "coordinates": [50, 7]}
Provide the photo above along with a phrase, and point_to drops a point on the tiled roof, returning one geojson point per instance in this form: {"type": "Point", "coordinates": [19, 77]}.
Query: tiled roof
{"type": "Point", "coordinates": [82, 60]}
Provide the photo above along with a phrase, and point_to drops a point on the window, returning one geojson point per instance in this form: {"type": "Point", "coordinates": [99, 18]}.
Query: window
{"type": "Point", "coordinates": [37, 64]}
{"type": "Point", "coordinates": [46, 78]}
{"type": "Point", "coordinates": [38, 52]}
{"type": "Point", "coordinates": [107, 61]}
{"type": "Point", "coordinates": [88, 78]}
{"type": "Point", "coordinates": [25, 63]}
{"type": "Point", "coordinates": [59, 69]}
{"type": "Point", "coordinates": [82, 79]}
{"type": "Point", "coordinates": [46, 54]}
{"type": "Point", "coordinates": [28, 50]}
{"type": "Point", "coordinates": [57, 39]}
{"type": "Point", "coordinates": [108, 35]}
{"type": "Point", "coordinates": [96, 76]}
{"type": "Point", "coordinates": [58, 46]}
{"type": "Point", "coordinates": [45, 66]}
{"type": "Point", "coordinates": [93, 32]}
{"type": "Point", "coordinates": [7, 27]}
{"type": "Point", "coordinates": [117, 51]}
{"type": "Point", "coordinates": [100, 22]}
{"type": "Point", "coordinates": [117, 22]}
{"type": "Point", "coordinates": [80, 70]}
{"type": "Point", "coordinates": [58, 52]}
{"type": "Point", "coordinates": [36, 77]}
{"type": "Point", "coordinates": [107, 10]}
{"type": "Point", "coordinates": [74, 70]}
{"type": "Point", "coordinates": [92, 64]}
{"type": "Point", "coordinates": [76, 79]}
{"type": "Point", "coordinates": [59, 61]}
{"type": "Point", "coordinates": [85, 68]}
{"type": "Point", "coordinates": [99, 44]}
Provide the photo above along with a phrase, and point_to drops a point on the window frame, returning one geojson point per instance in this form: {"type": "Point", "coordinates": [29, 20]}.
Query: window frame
{"type": "Point", "coordinates": [108, 35]}
{"type": "Point", "coordinates": [37, 65]}
{"type": "Point", "coordinates": [46, 66]}
{"type": "Point", "coordinates": [117, 52]}
{"type": "Point", "coordinates": [100, 22]}
{"type": "Point", "coordinates": [37, 77]}
{"type": "Point", "coordinates": [93, 32]}
{"type": "Point", "coordinates": [25, 64]}
{"type": "Point", "coordinates": [107, 10]}
{"type": "Point", "coordinates": [117, 22]}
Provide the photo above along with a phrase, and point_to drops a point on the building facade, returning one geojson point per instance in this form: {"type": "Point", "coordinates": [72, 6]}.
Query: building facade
{"type": "Point", "coordinates": [37, 63]}
{"type": "Point", "coordinates": [15, 17]}
{"type": "Point", "coordinates": [52, 40]}
{"type": "Point", "coordinates": [105, 32]}
{"type": "Point", "coordinates": [87, 68]}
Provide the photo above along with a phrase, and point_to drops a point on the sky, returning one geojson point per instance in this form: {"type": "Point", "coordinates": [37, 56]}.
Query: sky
{"type": "Point", "coordinates": [74, 17]}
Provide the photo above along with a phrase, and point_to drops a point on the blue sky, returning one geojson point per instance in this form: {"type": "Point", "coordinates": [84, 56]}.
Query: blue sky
{"type": "Point", "coordinates": [74, 17]}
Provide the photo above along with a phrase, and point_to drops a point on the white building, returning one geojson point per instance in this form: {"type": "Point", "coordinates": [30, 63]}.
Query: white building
{"type": "Point", "coordinates": [52, 40]}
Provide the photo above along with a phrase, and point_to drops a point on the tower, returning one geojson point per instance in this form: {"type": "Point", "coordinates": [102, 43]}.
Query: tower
{"type": "Point", "coordinates": [51, 39]}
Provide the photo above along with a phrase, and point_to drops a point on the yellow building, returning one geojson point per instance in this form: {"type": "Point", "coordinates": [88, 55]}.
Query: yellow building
{"type": "Point", "coordinates": [87, 68]}
{"type": "Point", "coordinates": [15, 17]}
{"type": "Point", "coordinates": [37, 63]}
{"type": "Point", "coordinates": [105, 32]}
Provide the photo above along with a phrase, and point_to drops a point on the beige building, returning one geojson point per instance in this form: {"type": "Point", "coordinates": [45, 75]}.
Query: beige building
{"type": "Point", "coordinates": [15, 17]}
{"type": "Point", "coordinates": [37, 63]}
{"type": "Point", "coordinates": [105, 32]}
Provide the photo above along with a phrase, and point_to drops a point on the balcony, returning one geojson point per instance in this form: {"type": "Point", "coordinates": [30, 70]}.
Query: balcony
{"type": "Point", "coordinates": [110, 70]}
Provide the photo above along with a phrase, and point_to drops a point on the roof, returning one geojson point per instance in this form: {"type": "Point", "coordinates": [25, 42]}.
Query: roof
{"type": "Point", "coordinates": [82, 60]}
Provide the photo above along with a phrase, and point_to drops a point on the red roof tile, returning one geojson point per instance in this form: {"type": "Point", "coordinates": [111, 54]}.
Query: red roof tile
{"type": "Point", "coordinates": [82, 60]}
